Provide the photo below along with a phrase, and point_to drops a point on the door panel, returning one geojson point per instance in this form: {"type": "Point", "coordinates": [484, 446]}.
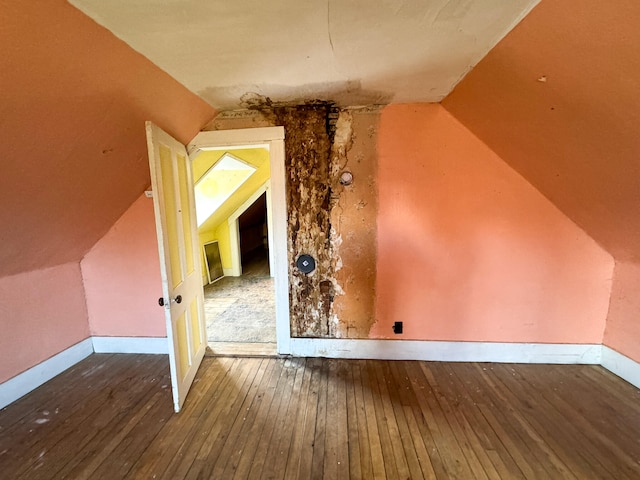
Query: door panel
{"type": "Point", "coordinates": [179, 265]}
{"type": "Point", "coordinates": [196, 337]}
{"type": "Point", "coordinates": [187, 227]}
{"type": "Point", "coordinates": [168, 207]}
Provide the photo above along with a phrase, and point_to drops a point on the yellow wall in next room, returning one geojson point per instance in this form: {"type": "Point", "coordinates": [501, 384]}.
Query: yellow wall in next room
{"type": "Point", "coordinates": [216, 227]}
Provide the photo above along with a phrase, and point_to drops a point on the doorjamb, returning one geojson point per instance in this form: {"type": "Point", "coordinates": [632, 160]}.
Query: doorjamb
{"type": "Point", "coordinates": [271, 138]}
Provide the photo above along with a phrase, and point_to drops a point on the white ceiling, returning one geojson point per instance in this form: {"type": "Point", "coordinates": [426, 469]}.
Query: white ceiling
{"type": "Point", "coordinates": [352, 52]}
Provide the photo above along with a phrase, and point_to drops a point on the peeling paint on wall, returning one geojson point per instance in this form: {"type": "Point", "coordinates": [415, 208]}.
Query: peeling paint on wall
{"type": "Point", "coordinates": [354, 218]}
{"type": "Point", "coordinates": [333, 223]}
{"type": "Point", "coordinates": [308, 167]}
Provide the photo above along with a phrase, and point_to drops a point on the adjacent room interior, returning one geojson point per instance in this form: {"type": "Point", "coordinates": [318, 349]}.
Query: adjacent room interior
{"type": "Point", "coordinates": [231, 210]}
{"type": "Point", "coordinates": [461, 224]}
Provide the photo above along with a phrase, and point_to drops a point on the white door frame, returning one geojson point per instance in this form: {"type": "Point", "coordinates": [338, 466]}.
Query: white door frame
{"type": "Point", "coordinates": [271, 138]}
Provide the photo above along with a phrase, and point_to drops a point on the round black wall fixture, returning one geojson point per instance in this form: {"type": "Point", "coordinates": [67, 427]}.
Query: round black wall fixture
{"type": "Point", "coordinates": [306, 263]}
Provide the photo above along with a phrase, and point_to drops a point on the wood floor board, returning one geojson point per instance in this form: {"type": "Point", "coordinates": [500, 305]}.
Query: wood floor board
{"type": "Point", "coordinates": [56, 401]}
{"type": "Point", "coordinates": [389, 396]}
{"type": "Point", "coordinates": [543, 414]}
{"type": "Point", "coordinates": [508, 442]}
{"type": "Point", "coordinates": [221, 422]}
{"type": "Point", "coordinates": [33, 403]}
{"type": "Point", "coordinates": [282, 395]}
{"type": "Point", "coordinates": [240, 439]}
{"type": "Point", "coordinates": [125, 446]}
{"type": "Point", "coordinates": [455, 403]}
{"type": "Point", "coordinates": [70, 456]}
{"type": "Point", "coordinates": [93, 414]}
{"type": "Point", "coordinates": [226, 443]}
{"type": "Point", "coordinates": [316, 468]}
{"type": "Point", "coordinates": [297, 418]}
{"type": "Point", "coordinates": [289, 430]}
{"type": "Point", "coordinates": [354, 444]}
{"type": "Point", "coordinates": [242, 466]}
{"type": "Point", "coordinates": [521, 444]}
{"type": "Point", "coordinates": [489, 441]}
{"type": "Point", "coordinates": [383, 422]}
{"type": "Point", "coordinates": [435, 461]}
{"type": "Point", "coordinates": [196, 425]}
{"type": "Point", "coordinates": [400, 385]}
{"type": "Point", "coordinates": [341, 420]}
{"type": "Point", "coordinates": [464, 439]}
{"type": "Point", "coordinates": [426, 465]}
{"type": "Point", "coordinates": [213, 410]}
{"type": "Point", "coordinates": [589, 434]}
{"type": "Point", "coordinates": [369, 387]}
{"type": "Point", "coordinates": [444, 439]}
{"type": "Point", "coordinates": [623, 392]}
{"type": "Point", "coordinates": [154, 462]}
{"type": "Point", "coordinates": [576, 386]}
{"type": "Point", "coordinates": [299, 466]}
{"type": "Point", "coordinates": [543, 456]}
{"type": "Point", "coordinates": [544, 422]}
{"type": "Point", "coordinates": [364, 466]}
{"type": "Point", "coordinates": [336, 442]}
{"type": "Point", "coordinates": [278, 450]}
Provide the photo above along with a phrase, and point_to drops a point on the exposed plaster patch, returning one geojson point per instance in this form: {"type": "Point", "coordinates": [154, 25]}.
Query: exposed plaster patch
{"type": "Point", "coordinates": [354, 218]}
{"type": "Point", "coordinates": [253, 100]}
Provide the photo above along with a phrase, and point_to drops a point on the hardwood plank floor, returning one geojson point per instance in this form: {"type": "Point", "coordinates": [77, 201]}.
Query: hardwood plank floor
{"type": "Point", "coordinates": [110, 416]}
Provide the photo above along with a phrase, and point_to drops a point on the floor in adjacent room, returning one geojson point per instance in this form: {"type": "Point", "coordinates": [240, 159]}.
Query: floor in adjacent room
{"type": "Point", "coordinates": [240, 311]}
{"type": "Point", "coordinates": [111, 417]}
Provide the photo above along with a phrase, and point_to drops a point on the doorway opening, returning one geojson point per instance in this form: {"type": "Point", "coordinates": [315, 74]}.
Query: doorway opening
{"type": "Point", "coordinates": [240, 306]}
{"type": "Point", "coordinates": [243, 143]}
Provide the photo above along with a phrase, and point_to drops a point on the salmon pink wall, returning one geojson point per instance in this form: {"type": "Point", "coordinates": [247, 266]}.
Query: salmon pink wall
{"type": "Point", "coordinates": [73, 101]}
{"type": "Point", "coordinates": [469, 251]}
{"type": "Point", "coordinates": [559, 100]}
{"type": "Point", "coordinates": [623, 324]}
{"type": "Point", "coordinates": [41, 313]}
{"type": "Point", "coordinates": [122, 277]}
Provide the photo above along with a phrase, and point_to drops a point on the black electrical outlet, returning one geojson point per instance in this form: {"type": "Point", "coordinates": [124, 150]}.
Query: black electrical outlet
{"type": "Point", "coordinates": [397, 327]}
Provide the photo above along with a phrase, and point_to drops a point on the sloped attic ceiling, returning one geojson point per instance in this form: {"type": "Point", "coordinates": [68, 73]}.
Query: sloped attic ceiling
{"type": "Point", "coordinates": [354, 53]}
{"type": "Point", "coordinates": [559, 100]}
{"type": "Point", "coordinates": [73, 101]}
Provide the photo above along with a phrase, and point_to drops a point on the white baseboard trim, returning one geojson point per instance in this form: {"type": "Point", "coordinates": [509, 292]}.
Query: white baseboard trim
{"type": "Point", "coordinates": [621, 366]}
{"type": "Point", "coordinates": [156, 345]}
{"type": "Point", "coordinates": [29, 380]}
{"type": "Point", "coordinates": [230, 272]}
{"type": "Point", "coordinates": [613, 361]}
{"type": "Point", "coordinates": [447, 351]}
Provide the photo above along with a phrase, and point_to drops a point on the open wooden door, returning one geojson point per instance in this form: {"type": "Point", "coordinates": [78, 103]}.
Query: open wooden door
{"type": "Point", "coordinates": [182, 293]}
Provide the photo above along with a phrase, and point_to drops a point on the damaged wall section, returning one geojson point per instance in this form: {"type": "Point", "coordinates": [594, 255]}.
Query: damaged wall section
{"type": "Point", "coordinates": [354, 220]}
{"type": "Point", "coordinates": [334, 223]}
{"type": "Point", "coordinates": [308, 167]}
